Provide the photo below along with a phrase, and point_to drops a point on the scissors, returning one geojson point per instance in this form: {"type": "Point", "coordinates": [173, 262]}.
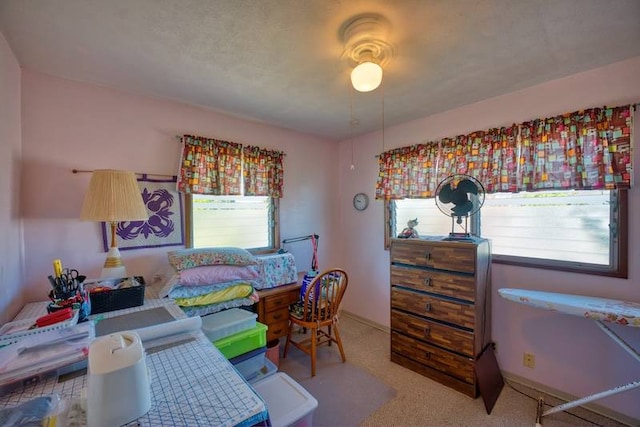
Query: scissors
{"type": "Point", "coordinates": [69, 275]}
{"type": "Point", "coordinates": [69, 280]}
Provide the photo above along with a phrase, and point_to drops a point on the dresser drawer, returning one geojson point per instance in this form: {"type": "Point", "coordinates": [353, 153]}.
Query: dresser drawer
{"type": "Point", "coordinates": [274, 302]}
{"type": "Point", "coordinates": [458, 313]}
{"type": "Point", "coordinates": [452, 285]}
{"type": "Point", "coordinates": [277, 330]}
{"type": "Point", "coordinates": [452, 364]}
{"type": "Point", "coordinates": [453, 339]}
{"type": "Point", "coordinates": [451, 256]}
{"type": "Point", "coordinates": [278, 315]}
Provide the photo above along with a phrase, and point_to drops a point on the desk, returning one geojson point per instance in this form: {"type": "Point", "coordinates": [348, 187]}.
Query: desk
{"type": "Point", "coordinates": [273, 307]}
{"type": "Point", "coordinates": [599, 310]}
{"type": "Point", "coordinates": [191, 383]}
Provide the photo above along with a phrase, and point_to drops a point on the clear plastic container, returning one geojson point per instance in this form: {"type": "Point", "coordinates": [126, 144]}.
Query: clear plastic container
{"type": "Point", "coordinates": [228, 322]}
{"type": "Point", "coordinates": [288, 402]}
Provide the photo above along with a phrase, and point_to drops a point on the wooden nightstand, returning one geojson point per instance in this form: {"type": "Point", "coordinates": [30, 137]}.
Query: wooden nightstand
{"type": "Point", "coordinates": [273, 307]}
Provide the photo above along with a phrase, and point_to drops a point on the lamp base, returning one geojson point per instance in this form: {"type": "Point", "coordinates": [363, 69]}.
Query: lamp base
{"type": "Point", "coordinates": [114, 272]}
{"type": "Point", "coordinates": [113, 267]}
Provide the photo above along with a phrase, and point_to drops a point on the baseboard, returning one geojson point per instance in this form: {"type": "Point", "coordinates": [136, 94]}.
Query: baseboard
{"type": "Point", "coordinates": [365, 321]}
{"type": "Point", "coordinates": [593, 407]}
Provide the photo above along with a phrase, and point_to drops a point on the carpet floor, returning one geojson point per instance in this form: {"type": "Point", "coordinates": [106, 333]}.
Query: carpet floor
{"type": "Point", "coordinates": [346, 394]}
{"type": "Point", "coordinates": [370, 390]}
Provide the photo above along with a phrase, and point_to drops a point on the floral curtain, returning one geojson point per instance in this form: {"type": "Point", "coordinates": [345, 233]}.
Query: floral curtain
{"type": "Point", "coordinates": [209, 166]}
{"type": "Point", "coordinates": [263, 172]}
{"type": "Point", "coordinates": [588, 149]}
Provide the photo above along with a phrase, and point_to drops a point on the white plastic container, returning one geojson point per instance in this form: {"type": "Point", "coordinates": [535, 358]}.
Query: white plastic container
{"type": "Point", "coordinates": [228, 322]}
{"type": "Point", "coordinates": [288, 403]}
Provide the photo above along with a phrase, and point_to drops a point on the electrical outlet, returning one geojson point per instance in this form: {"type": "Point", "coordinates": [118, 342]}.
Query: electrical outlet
{"type": "Point", "coordinates": [529, 360]}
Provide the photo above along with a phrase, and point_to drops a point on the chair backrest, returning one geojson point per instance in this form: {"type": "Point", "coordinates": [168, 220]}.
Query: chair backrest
{"type": "Point", "coordinates": [324, 294]}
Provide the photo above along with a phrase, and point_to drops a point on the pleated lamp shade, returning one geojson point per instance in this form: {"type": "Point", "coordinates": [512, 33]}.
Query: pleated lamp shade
{"type": "Point", "coordinates": [113, 196]}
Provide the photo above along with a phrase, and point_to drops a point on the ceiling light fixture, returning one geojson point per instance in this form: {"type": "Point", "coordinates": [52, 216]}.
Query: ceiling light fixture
{"type": "Point", "coordinates": [366, 49]}
{"type": "Point", "coordinates": [367, 75]}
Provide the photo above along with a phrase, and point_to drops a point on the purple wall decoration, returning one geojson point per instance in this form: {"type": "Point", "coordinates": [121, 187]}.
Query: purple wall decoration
{"type": "Point", "coordinates": [164, 226]}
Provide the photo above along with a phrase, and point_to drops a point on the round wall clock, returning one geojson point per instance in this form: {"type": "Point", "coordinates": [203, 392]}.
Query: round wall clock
{"type": "Point", "coordinates": [360, 201]}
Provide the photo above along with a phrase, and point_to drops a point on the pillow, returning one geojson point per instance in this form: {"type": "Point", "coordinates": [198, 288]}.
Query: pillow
{"type": "Point", "coordinates": [194, 291]}
{"type": "Point", "coordinates": [189, 258]}
{"type": "Point", "coordinates": [165, 280]}
{"type": "Point", "coordinates": [203, 310]}
{"type": "Point", "coordinates": [214, 274]}
{"type": "Point", "coordinates": [227, 294]}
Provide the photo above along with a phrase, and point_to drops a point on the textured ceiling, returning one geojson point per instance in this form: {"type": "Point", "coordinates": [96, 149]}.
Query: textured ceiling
{"type": "Point", "coordinates": [280, 61]}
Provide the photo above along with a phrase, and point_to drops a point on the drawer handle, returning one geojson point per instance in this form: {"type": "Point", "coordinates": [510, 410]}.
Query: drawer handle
{"type": "Point", "coordinates": [427, 282]}
{"type": "Point", "coordinates": [427, 307]}
{"type": "Point", "coordinates": [427, 355]}
{"type": "Point", "coordinates": [427, 256]}
{"type": "Point", "coordinates": [277, 316]}
{"type": "Point", "coordinates": [427, 331]}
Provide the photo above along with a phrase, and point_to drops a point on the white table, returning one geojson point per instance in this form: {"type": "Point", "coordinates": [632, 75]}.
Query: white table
{"type": "Point", "coordinates": [192, 383]}
{"type": "Point", "coordinates": [600, 310]}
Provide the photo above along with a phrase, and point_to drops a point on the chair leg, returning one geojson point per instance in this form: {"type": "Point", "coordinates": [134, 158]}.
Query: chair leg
{"type": "Point", "coordinates": [314, 342]}
{"type": "Point", "coordinates": [286, 345]}
{"type": "Point", "coordinates": [329, 331]}
{"type": "Point", "coordinates": [339, 341]}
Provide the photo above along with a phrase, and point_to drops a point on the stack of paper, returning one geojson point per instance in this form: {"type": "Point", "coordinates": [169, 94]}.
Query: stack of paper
{"type": "Point", "coordinates": [44, 352]}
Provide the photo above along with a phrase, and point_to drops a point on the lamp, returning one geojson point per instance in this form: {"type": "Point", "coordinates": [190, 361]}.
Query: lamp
{"type": "Point", "coordinates": [367, 75]}
{"type": "Point", "coordinates": [113, 196]}
{"type": "Point", "coordinates": [366, 49]}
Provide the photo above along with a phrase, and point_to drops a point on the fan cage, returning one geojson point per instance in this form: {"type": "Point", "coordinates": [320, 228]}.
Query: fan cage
{"type": "Point", "coordinates": [448, 194]}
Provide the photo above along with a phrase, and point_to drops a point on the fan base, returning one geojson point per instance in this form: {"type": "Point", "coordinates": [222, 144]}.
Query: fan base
{"type": "Point", "coordinates": [461, 236]}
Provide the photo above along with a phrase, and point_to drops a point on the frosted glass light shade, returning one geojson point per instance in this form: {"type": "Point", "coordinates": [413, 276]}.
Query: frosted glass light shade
{"type": "Point", "coordinates": [366, 77]}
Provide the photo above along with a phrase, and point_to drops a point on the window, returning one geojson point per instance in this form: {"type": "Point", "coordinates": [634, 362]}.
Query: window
{"type": "Point", "coordinates": [245, 222]}
{"type": "Point", "coordinates": [571, 230]}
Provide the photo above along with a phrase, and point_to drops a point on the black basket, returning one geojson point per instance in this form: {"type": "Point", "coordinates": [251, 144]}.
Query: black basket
{"type": "Point", "coordinates": [117, 299]}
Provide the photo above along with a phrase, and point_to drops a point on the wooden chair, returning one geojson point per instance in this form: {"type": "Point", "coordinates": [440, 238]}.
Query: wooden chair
{"type": "Point", "coordinates": [319, 309]}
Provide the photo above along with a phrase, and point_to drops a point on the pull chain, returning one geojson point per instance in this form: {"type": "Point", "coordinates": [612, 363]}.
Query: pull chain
{"type": "Point", "coordinates": [352, 167]}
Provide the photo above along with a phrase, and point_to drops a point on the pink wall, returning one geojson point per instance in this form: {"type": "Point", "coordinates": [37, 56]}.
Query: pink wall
{"type": "Point", "coordinates": [72, 125]}
{"type": "Point", "coordinates": [572, 354]}
{"type": "Point", "coordinates": [11, 249]}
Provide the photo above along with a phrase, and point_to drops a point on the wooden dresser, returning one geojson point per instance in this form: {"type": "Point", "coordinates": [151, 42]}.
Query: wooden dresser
{"type": "Point", "coordinates": [440, 308]}
{"type": "Point", "coordinates": [273, 308]}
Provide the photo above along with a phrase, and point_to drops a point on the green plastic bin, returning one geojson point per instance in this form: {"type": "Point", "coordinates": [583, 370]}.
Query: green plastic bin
{"type": "Point", "coordinates": [243, 342]}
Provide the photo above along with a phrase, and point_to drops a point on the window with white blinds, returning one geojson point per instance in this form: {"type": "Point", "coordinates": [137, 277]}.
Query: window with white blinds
{"type": "Point", "coordinates": [572, 230]}
{"type": "Point", "coordinates": [240, 221]}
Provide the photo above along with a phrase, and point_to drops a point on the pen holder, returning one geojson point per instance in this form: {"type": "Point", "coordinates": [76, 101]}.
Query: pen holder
{"type": "Point", "coordinates": [78, 299]}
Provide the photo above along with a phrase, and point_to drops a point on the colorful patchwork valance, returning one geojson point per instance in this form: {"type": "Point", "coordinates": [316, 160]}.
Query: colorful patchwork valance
{"type": "Point", "coordinates": [588, 149]}
{"type": "Point", "coordinates": [210, 166]}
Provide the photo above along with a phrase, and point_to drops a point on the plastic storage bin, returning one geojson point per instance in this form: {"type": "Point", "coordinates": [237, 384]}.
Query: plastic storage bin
{"type": "Point", "coordinates": [242, 342]}
{"type": "Point", "coordinates": [228, 322]}
{"type": "Point", "coordinates": [250, 363]}
{"type": "Point", "coordinates": [288, 403]}
{"type": "Point", "coordinates": [268, 369]}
